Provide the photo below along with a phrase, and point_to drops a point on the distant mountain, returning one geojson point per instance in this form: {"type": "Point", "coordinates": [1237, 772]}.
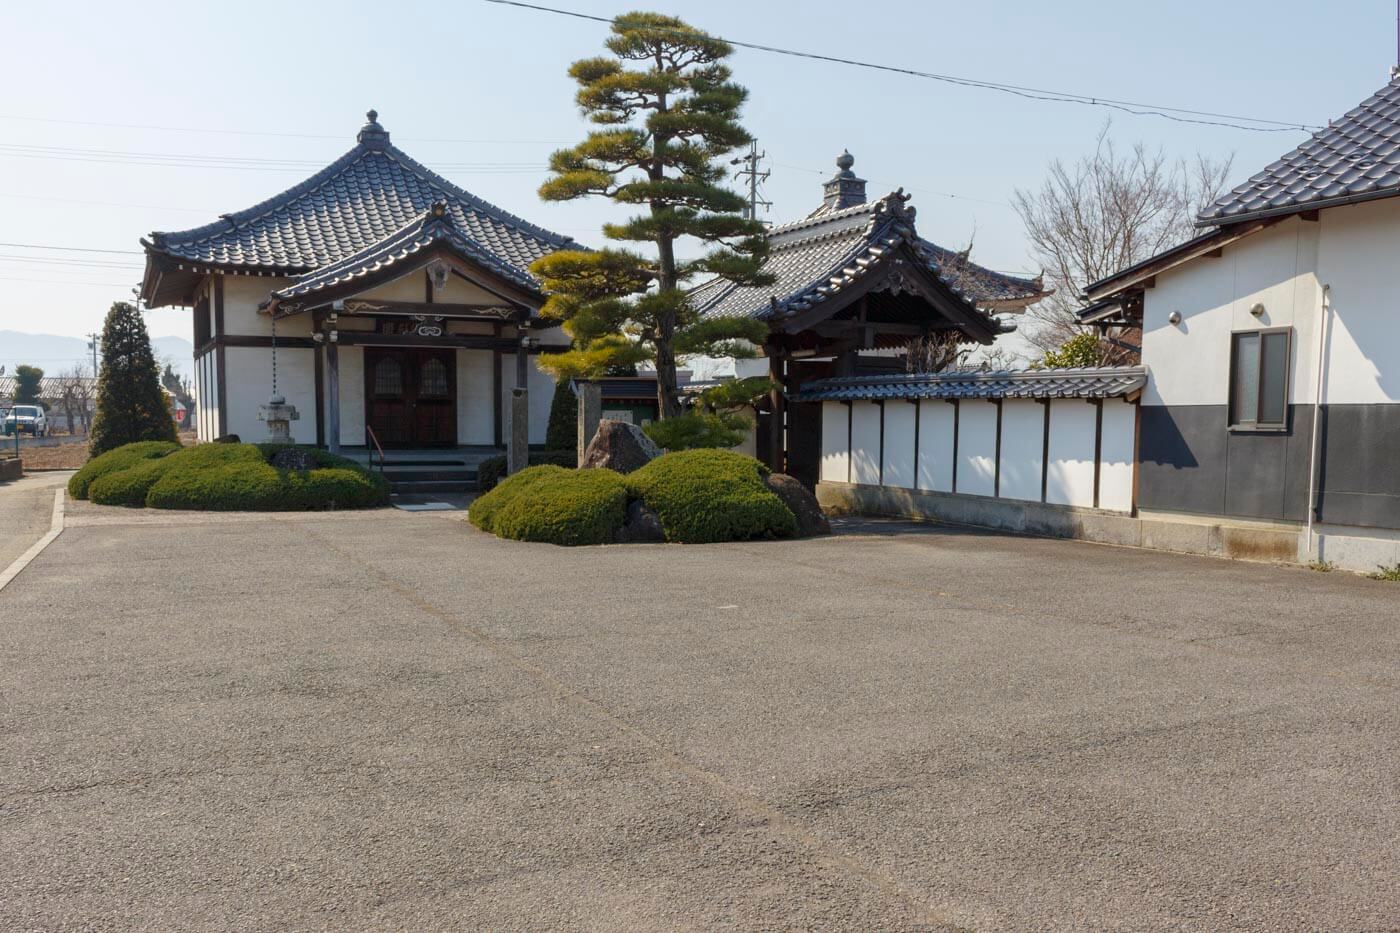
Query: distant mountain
{"type": "Point", "coordinates": [54, 354]}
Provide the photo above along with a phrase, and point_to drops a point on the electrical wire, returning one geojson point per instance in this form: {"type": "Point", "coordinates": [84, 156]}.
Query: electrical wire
{"type": "Point", "coordinates": [72, 249]}
{"type": "Point", "coordinates": [1176, 114]}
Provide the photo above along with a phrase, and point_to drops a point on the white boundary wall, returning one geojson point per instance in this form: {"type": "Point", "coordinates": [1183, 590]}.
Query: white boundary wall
{"type": "Point", "coordinates": [986, 448]}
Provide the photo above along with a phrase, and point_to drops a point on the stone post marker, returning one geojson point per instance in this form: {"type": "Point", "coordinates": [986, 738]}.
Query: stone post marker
{"type": "Point", "coordinates": [279, 417]}
{"type": "Point", "coordinates": [590, 412]}
{"type": "Point", "coordinates": [518, 447]}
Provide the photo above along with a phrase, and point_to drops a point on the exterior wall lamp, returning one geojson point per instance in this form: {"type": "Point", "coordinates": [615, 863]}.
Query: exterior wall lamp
{"type": "Point", "coordinates": [1174, 318]}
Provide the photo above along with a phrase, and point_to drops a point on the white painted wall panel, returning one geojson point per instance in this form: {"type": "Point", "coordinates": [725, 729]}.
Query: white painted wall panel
{"type": "Point", "coordinates": [865, 443]}
{"type": "Point", "coordinates": [1070, 480]}
{"type": "Point", "coordinates": [1022, 449]}
{"type": "Point", "coordinates": [249, 383]}
{"type": "Point", "coordinates": [1357, 257]}
{"type": "Point", "coordinates": [1118, 451]}
{"type": "Point", "coordinates": [935, 445]}
{"type": "Point", "coordinates": [541, 386]}
{"type": "Point", "coordinates": [243, 294]}
{"type": "Point", "coordinates": [352, 396]}
{"type": "Point", "coordinates": [899, 445]}
{"type": "Point", "coordinates": [836, 457]}
{"type": "Point", "coordinates": [977, 448]}
{"type": "Point", "coordinates": [475, 392]}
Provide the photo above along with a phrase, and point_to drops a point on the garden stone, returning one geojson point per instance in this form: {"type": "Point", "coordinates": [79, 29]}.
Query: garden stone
{"type": "Point", "coordinates": [293, 458]}
{"type": "Point", "coordinates": [802, 504]}
{"type": "Point", "coordinates": [642, 525]}
{"type": "Point", "coordinates": [619, 446]}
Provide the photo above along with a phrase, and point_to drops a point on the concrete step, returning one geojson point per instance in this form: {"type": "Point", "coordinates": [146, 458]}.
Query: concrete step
{"type": "Point", "coordinates": [425, 474]}
{"type": "Point", "coordinates": [425, 487]}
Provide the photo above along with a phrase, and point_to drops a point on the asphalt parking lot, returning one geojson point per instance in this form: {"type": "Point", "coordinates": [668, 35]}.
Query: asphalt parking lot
{"type": "Point", "coordinates": [393, 721]}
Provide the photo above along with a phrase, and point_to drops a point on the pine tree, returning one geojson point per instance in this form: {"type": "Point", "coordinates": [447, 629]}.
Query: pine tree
{"type": "Point", "coordinates": [130, 405]}
{"type": "Point", "coordinates": [663, 125]}
{"type": "Point", "coordinates": [27, 381]}
{"type": "Point", "coordinates": [562, 433]}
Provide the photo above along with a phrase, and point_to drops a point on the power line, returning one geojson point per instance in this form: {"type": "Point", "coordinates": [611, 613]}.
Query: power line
{"type": "Point", "coordinates": [229, 132]}
{"type": "Point", "coordinates": [1176, 114]}
{"type": "Point", "coordinates": [73, 249]}
{"type": "Point", "coordinates": [144, 207]}
{"type": "Point", "coordinates": [876, 181]}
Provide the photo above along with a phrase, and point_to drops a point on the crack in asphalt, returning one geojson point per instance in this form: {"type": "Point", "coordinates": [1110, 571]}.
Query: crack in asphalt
{"type": "Point", "coordinates": [768, 815]}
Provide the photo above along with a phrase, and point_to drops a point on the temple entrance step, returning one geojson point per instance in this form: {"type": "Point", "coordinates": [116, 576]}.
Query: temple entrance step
{"type": "Point", "coordinates": [395, 473]}
{"type": "Point", "coordinates": [425, 487]}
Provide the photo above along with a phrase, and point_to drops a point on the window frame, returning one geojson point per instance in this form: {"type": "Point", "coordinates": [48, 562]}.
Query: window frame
{"type": "Point", "coordinates": [1254, 425]}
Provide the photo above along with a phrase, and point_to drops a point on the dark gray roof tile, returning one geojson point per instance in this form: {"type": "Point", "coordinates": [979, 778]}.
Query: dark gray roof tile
{"type": "Point", "coordinates": [1108, 382]}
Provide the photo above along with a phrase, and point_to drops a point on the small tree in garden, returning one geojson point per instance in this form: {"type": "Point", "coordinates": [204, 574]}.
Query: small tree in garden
{"type": "Point", "coordinates": [562, 433]}
{"type": "Point", "coordinates": [1079, 352]}
{"type": "Point", "coordinates": [27, 380]}
{"type": "Point", "coordinates": [666, 111]}
{"type": "Point", "coordinates": [130, 405]}
{"type": "Point", "coordinates": [717, 418]}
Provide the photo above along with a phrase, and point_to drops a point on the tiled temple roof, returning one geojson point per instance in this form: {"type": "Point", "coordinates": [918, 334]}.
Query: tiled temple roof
{"type": "Point", "coordinates": [367, 195]}
{"type": "Point", "coordinates": [1354, 158]}
{"type": "Point", "coordinates": [435, 226]}
{"type": "Point", "coordinates": [816, 257]}
{"type": "Point", "coordinates": [1108, 382]}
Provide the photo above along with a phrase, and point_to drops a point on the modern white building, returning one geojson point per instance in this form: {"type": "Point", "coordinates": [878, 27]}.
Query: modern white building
{"type": "Point", "coordinates": [1271, 413]}
{"type": "Point", "coordinates": [390, 304]}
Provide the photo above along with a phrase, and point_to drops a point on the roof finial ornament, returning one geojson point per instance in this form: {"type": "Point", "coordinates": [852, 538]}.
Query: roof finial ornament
{"type": "Point", "coordinates": [845, 161]}
{"type": "Point", "coordinates": [372, 134]}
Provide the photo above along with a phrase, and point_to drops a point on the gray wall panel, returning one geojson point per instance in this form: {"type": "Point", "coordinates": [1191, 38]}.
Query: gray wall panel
{"type": "Point", "coordinates": [1181, 458]}
{"type": "Point", "coordinates": [1360, 480]}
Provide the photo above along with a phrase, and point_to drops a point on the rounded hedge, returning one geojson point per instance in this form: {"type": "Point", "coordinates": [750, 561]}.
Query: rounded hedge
{"type": "Point", "coordinates": [235, 477]}
{"type": "Point", "coordinates": [708, 495]}
{"type": "Point", "coordinates": [554, 505]}
{"type": "Point", "coordinates": [122, 458]}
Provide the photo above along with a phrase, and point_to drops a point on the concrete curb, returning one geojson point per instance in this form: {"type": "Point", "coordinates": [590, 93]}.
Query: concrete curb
{"type": "Point", "coordinates": [55, 529]}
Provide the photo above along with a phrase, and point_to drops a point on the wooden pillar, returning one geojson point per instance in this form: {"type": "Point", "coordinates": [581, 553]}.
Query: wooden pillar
{"type": "Point", "coordinates": [590, 412]}
{"type": "Point", "coordinates": [776, 443]}
{"type": "Point", "coordinates": [332, 392]}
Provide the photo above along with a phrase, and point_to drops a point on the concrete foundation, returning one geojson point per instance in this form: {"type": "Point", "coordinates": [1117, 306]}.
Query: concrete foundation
{"type": "Point", "coordinates": [1345, 548]}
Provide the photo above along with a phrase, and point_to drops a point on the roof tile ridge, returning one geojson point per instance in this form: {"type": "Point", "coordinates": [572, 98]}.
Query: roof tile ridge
{"type": "Point", "coordinates": [267, 205]}
{"type": "Point", "coordinates": [486, 207]}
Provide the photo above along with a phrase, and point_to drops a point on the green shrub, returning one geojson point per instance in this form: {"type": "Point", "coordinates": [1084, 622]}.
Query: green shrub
{"type": "Point", "coordinates": [112, 461]}
{"type": "Point", "coordinates": [482, 512]}
{"type": "Point", "coordinates": [562, 432]}
{"type": "Point", "coordinates": [711, 495]}
{"type": "Point", "coordinates": [697, 430]}
{"type": "Point", "coordinates": [339, 488]}
{"type": "Point", "coordinates": [230, 487]}
{"type": "Point", "coordinates": [127, 487]}
{"type": "Point", "coordinates": [570, 507]}
{"type": "Point", "coordinates": [490, 470]}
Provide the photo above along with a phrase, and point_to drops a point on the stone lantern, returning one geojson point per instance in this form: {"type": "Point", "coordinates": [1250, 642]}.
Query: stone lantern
{"type": "Point", "coordinates": [279, 417]}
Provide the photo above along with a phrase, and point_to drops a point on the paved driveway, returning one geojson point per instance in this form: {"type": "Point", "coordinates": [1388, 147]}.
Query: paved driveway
{"type": "Point", "coordinates": [392, 721]}
{"type": "Point", "coordinates": [26, 512]}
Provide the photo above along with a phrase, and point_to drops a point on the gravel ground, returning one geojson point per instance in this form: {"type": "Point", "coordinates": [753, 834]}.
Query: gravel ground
{"type": "Point", "coordinates": [393, 721]}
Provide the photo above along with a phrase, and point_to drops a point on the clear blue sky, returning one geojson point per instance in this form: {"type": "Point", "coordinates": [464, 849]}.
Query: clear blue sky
{"type": "Point", "coordinates": [494, 75]}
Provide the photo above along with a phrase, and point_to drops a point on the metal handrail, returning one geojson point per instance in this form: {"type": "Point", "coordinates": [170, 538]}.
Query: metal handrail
{"type": "Point", "coordinates": [370, 431]}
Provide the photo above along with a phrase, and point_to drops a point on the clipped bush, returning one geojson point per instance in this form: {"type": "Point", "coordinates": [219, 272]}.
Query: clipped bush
{"type": "Point", "coordinates": [130, 487]}
{"type": "Point", "coordinates": [231, 487]}
{"type": "Point", "coordinates": [482, 512]}
{"type": "Point", "coordinates": [339, 488]}
{"type": "Point", "coordinates": [490, 471]}
{"type": "Point", "coordinates": [113, 461]}
{"type": "Point", "coordinates": [553, 505]}
{"type": "Point", "coordinates": [708, 495]}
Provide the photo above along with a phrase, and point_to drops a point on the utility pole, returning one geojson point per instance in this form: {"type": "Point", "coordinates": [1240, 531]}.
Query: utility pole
{"type": "Point", "coordinates": [754, 176]}
{"type": "Point", "coordinates": [93, 341]}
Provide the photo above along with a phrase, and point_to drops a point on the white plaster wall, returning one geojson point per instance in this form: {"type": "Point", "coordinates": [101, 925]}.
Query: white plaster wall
{"type": "Point", "coordinates": [899, 444]}
{"type": "Point", "coordinates": [865, 443]}
{"type": "Point", "coordinates": [1359, 256]}
{"type": "Point", "coordinates": [977, 448]}
{"type": "Point", "coordinates": [1022, 449]}
{"type": "Point", "coordinates": [475, 391]}
{"type": "Point", "coordinates": [1189, 363]}
{"type": "Point", "coordinates": [243, 294]}
{"type": "Point", "coordinates": [836, 458]}
{"type": "Point", "coordinates": [1117, 453]}
{"type": "Point", "coordinates": [541, 386]}
{"type": "Point", "coordinates": [249, 384]}
{"type": "Point", "coordinates": [1070, 479]}
{"type": "Point", "coordinates": [352, 396]}
{"type": "Point", "coordinates": [935, 446]}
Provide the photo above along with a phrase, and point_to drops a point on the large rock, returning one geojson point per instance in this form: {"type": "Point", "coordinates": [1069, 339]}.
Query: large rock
{"type": "Point", "coordinates": [642, 525]}
{"type": "Point", "coordinates": [619, 446]}
{"type": "Point", "coordinates": [294, 458]}
{"type": "Point", "coordinates": [801, 502]}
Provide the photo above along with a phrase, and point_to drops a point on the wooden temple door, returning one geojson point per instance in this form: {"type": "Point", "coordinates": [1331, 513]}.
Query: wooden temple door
{"type": "Point", "coordinates": [411, 396]}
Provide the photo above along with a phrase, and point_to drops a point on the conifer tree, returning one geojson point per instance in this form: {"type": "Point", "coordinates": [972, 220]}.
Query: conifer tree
{"type": "Point", "coordinates": [562, 433]}
{"type": "Point", "coordinates": [130, 405]}
{"type": "Point", "coordinates": [666, 111]}
{"type": "Point", "coordinates": [27, 382]}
